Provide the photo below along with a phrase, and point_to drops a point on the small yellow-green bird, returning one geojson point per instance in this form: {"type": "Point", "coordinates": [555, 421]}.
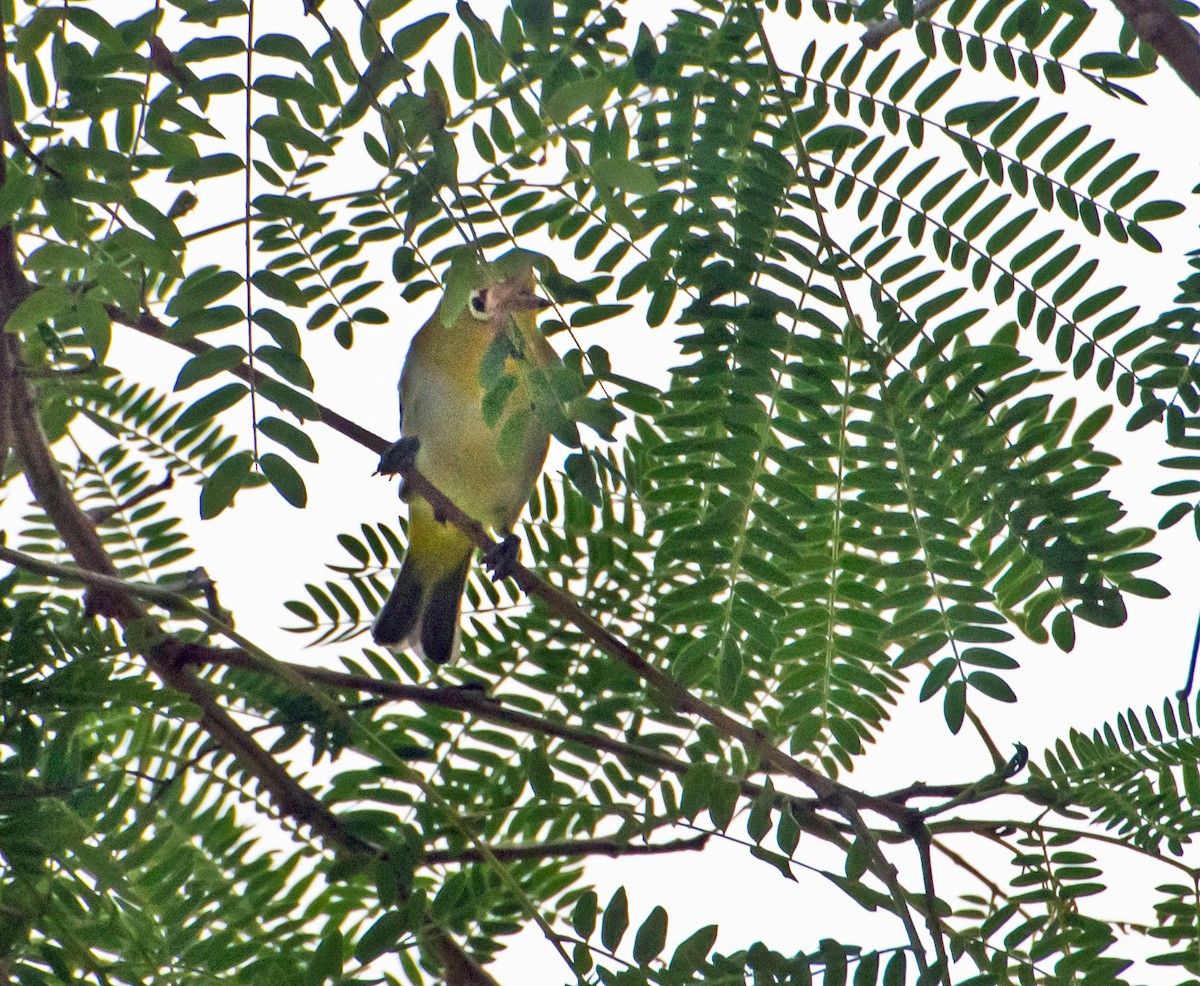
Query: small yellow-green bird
{"type": "Point", "coordinates": [485, 455]}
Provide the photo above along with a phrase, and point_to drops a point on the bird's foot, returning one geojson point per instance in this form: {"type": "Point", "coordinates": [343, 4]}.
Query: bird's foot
{"type": "Point", "coordinates": [398, 457]}
{"type": "Point", "coordinates": [501, 558]}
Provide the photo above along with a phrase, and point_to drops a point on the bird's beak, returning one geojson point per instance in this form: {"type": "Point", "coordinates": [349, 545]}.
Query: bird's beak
{"type": "Point", "coordinates": [529, 301]}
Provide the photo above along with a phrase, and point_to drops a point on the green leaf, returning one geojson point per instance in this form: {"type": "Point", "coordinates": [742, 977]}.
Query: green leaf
{"type": "Point", "coordinates": [462, 278]}
{"type": "Point", "coordinates": [288, 131]}
{"type": "Point", "coordinates": [280, 288]}
{"type": "Point", "coordinates": [488, 53]}
{"type": "Point", "coordinates": [281, 328]}
{"type": "Point", "coordinates": [594, 314]}
{"type": "Point", "coordinates": [581, 472]}
{"type": "Point", "coordinates": [645, 55]}
{"type": "Point", "coordinates": [1154, 211]}
{"type": "Point", "coordinates": [203, 320]}
{"type": "Point", "coordinates": [541, 776]}
{"type": "Point", "coordinates": [209, 364]}
{"type": "Point", "coordinates": [210, 405]}
{"type": "Point", "coordinates": [96, 325]}
{"type": "Point", "coordinates": [868, 969]}
{"type": "Point", "coordinates": [44, 305]}
{"type": "Point", "coordinates": [382, 936]}
{"type": "Point", "coordinates": [954, 705]}
{"type": "Point", "coordinates": [575, 95]}
{"type": "Point", "coordinates": [537, 20]}
{"type": "Point", "coordinates": [58, 257]}
{"type": "Point", "coordinates": [759, 822]}
{"type": "Point", "coordinates": [837, 138]}
{"type": "Point", "coordinates": [495, 399]}
{"type": "Point", "coordinates": [288, 365]}
{"type": "Point", "coordinates": [895, 971]}
{"type": "Point", "coordinates": [290, 437]}
{"type": "Point", "coordinates": [616, 921]}
{"type": "Point", "coordinates": [1062, 629]}
{"type": "Point", "coordinates": [464, 69]}
{"type": "Point", "coordinates": [283, 476]}
{"type": "Point", "coordinates": [222, 486]}
{"type": "Point", "coordinates": [933, 92]}
{"type": "Point", "coordinates": [289, 399]}
{"type": "Point", "coordinates": [583, 917]}
{"type": "Point", "coordinates": [626, 175]}
{"type": "Point", "coordinates": [651, 937]}
{"type": "Point", "coordinates": [16, 195]}
{"type": "Point", "coordinates": [327, 960]}
{"type": "Point", "coordinates": [692, 951]}
{"type": "Point", "coordinates": [513, 434]}
{"type": "Point", "coordinates": [991, 685]}
{"type": "Point", "coordinates": [200, 168]}
{"type": "Point", "coordinates": [408, 41]}
{"type": "Point", "coordinates": [202, 289]}
{"type": "Point", "coordinates": [155, 223]}
{"type": "Point", "coordinates": [780, 862]}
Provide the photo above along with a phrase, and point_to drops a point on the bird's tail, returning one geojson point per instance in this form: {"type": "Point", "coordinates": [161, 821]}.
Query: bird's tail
{"type": "Point", "coordinates": [423, 610]}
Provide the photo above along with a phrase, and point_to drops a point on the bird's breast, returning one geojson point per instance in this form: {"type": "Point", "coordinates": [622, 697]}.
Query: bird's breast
{"type": "Point", "coordinates": [487, 475]}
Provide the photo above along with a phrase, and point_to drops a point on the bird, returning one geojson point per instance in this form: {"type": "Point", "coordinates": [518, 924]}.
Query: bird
{"type": "Point", "coordinates": [483, 449]}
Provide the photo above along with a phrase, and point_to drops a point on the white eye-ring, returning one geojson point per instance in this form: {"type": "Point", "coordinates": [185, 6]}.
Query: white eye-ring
{"type": "Point", "coordinates": [478, 304]}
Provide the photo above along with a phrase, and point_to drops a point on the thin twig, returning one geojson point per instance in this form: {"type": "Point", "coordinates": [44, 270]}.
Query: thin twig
{"type": "Point", "coordinates": [882, 867]}
{"type": "Point", "coordinates": [100, 514]}
{"type": "Point", "coordinates": [933, 921]}
{"type": "Point", "coordinates": [958, 860]}
{"type": "Point", "coordinates": [474, 701]}
{"type": "Point", "coordinates": [566, 850]}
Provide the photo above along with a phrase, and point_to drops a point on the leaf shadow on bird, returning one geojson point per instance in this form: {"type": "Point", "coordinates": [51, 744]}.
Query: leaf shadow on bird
{"type": "Point", "coordinates": [469, 393]}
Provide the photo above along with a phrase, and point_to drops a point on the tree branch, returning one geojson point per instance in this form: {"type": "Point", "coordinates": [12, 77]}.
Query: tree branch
{"type": "Point", "coordinates": [13, 286]}
{"type": "Point", "coordinates": [883, 868]}
{"type": "Point", "coordinates": [151, 326]}
{"type": "Point", "coordinates": [167, 598]}
{"type": "Point", "coordinates": [567, 849]}
{"type": "Point", "coordinates": [163, 654]}
{"type": "Point", "coordinates": [475, 702]}
{"type": "Point", "coordinates": [559, 602]}
{"type": "Point", "coordinates": [933, 921]}
{"type": "Point", "coordinates": [1162, 29]}
{"type": "Point", "coordinates": [100, 514]}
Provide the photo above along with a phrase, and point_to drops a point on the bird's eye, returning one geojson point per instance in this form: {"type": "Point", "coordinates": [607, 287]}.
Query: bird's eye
{"type": "Point", "coordinates": [478, 304]}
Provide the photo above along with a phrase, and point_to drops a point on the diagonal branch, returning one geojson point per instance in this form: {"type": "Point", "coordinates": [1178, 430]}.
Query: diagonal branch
{"type": "Point", "coordinates": [933, 920]}
{"type": "Point", "coordinates": [169, 657]}
{"type": "Point", "coordinates": [151, 326]}
{"type": "Point", "coordinates": [475, 702]}
{"type": "Point", "coordinates": [1156, 24]}
{"type": "Point", "coordinates": [567, 849]}
{"type": "Point", "coordinates": [468, 699]}
{"type": "Point", "coordinates": [558, 601]}
{"type": "Point", "coordinates": [163, 653]}
{"type": "Point", "coordinates": [883, 867]}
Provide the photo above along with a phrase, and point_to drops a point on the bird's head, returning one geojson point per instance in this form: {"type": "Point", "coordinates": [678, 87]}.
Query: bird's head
{"type": "Point", "coordinates": [508, 296]}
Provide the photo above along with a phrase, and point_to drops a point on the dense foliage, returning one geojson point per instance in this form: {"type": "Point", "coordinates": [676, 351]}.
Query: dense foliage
{"type": "Point", "coordinates": [865, 476]}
